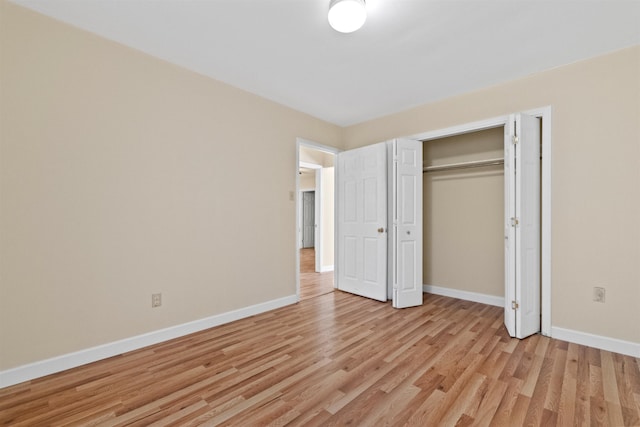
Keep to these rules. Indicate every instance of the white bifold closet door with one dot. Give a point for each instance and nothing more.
(379, 232)
(405, 231)
(522, 225)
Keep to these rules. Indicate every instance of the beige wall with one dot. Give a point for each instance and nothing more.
(463, 214)
(595, 178)
(308, 182)
(123, 175)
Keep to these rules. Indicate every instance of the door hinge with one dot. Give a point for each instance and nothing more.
(514, 222)
(514, 305)
(514, 139)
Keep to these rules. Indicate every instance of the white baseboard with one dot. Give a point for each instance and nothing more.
(82, 357)
(326, 268)
(465, 295)
(597, 341)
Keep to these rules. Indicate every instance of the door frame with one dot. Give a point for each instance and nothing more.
(545, 193)
(301, 142)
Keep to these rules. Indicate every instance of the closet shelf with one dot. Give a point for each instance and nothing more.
(464, 165)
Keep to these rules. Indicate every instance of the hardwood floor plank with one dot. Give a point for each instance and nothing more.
(423, 415)
(609, 382)
(549, 418)
(537, 400)
(626, 373)
(489, 401)
(566, 406)
(633, 372)
(520, 411)
(502, 415)
(316, 419)
(614, 412)
(338, 359)
(583, 400)
(495, 362)
(449, 403)
(515, 358)
(428, 383)
(466, 401)
(406, 370)
(552, 399)
(361, 379)
(389, 406)
(598, 415)
(595, 382)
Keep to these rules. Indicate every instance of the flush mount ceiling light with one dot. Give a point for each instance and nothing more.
(346, 16)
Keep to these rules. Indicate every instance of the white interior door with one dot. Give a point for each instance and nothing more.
(361, 188)
(405, 233)
(522, 226)
(308, 219)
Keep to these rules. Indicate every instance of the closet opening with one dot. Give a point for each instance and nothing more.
(487, 216)
(463, 208)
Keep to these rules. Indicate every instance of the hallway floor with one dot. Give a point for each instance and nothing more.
(313, 284)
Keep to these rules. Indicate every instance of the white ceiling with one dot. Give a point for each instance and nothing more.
(409, 52)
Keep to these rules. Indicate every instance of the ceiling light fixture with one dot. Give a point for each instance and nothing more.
(346, 16)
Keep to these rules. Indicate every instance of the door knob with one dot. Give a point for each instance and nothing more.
(381, 230)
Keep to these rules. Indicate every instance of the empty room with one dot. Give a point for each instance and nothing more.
(463, 175)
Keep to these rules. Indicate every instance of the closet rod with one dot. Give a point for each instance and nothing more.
(464, 165)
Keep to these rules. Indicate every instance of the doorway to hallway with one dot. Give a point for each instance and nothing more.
(314, 218)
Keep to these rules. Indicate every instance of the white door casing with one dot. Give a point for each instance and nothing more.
(522, 225)
(317, 236)
(405, 218)
(296, 196)
(361, 193)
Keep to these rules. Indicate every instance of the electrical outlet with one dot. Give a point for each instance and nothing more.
(598, 294)
(156, 300)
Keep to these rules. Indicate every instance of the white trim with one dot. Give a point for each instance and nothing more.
(310, 165)
(597, 341)
(317, 146)
(545, 218)
(93, 354)
(326, 268)
(318, 232)
(462, 129)
(465, 295)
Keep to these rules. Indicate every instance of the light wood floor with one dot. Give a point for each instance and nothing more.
(338, 359)
(313, 284)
